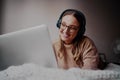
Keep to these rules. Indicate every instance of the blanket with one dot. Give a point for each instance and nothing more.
(30, 71)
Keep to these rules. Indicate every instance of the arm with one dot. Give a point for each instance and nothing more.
(90, 55)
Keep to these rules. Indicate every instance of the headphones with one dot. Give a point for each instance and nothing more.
(79, 16)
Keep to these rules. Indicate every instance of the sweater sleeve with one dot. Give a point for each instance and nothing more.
(90, 55)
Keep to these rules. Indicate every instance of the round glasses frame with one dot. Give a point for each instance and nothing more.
(71, 28)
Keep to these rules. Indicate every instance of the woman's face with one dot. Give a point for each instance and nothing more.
(68, 29)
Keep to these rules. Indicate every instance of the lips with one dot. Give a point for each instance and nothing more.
(65, 36)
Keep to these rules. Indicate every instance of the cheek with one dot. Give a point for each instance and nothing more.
(75, 34)
(60, 31)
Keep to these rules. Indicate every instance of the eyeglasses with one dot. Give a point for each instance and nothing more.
(71, 28)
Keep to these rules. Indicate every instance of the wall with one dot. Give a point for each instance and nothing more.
(1, 14)
(102, 19)
(103, 25)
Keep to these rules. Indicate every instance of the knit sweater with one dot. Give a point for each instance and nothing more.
(87, 57)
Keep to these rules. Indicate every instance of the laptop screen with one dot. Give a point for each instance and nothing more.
(31, 45)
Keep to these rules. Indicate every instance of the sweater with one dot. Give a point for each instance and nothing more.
(87, 58)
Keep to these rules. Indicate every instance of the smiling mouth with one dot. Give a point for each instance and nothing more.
(66, 36)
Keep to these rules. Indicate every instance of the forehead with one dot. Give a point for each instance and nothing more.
(70, 20)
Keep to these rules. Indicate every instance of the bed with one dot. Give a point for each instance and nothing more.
(30, 71)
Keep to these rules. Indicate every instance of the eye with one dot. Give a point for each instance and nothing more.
(74, 28)
(63, 25)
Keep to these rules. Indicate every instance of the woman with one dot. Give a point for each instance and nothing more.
(73, 49)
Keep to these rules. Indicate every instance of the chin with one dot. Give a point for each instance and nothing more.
(66, 40)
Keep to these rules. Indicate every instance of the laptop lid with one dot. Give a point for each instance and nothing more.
(31, 45)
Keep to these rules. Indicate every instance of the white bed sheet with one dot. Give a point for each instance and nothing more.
(31, 71)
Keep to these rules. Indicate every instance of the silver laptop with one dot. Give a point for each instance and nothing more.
(31, 45)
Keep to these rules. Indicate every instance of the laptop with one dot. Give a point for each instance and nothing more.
(31, 45)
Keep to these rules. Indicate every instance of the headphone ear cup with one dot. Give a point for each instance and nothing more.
(58, 23)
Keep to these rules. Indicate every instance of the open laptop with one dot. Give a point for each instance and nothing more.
(31, 45)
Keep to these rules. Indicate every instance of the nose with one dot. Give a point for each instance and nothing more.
(66, 30)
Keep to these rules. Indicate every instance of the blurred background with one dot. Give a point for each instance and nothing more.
(103, 19)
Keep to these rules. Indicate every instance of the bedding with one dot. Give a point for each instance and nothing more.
(30, 71)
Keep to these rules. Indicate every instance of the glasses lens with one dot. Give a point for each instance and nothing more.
(71, 28)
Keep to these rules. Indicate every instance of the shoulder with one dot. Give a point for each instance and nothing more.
(87, 40)
(56, 42)
(87, 43)
(89, 48)
(56, 47)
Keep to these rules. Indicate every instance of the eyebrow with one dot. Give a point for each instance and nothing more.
(69, 25)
